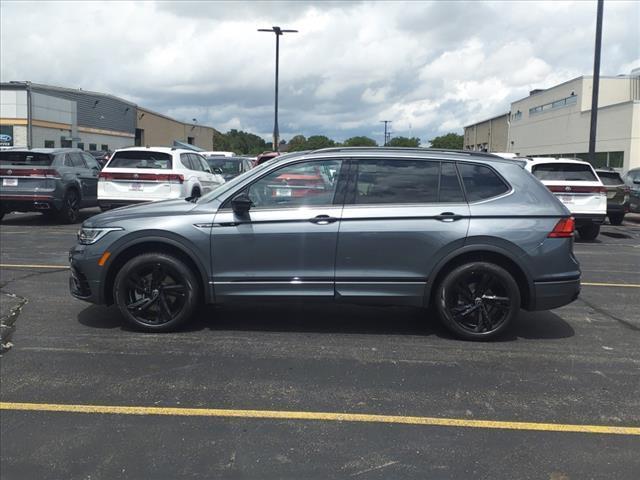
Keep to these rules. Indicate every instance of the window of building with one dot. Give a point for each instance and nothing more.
(516, 116)
(64, 143)
(563, 102)
(397, 182)
(104, 147)
(616, 159)
(92, 147)
(49, 144)
(191, 140)
(81, 146)
(481, 182)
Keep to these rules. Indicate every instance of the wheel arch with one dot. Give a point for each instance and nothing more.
(485, 254)
(153, 244)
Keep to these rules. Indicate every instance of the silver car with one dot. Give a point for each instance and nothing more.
(476, 236)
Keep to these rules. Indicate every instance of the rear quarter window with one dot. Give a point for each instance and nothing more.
(25, 158)
(481, 182)
(564, 172)
(141, 159)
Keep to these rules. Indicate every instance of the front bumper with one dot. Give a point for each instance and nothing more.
(555, 294)
(86, 279)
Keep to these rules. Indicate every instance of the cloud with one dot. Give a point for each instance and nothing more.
(430, 67)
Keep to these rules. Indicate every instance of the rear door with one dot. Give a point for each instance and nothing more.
(400, 217)
(83, 163)
(286, 243)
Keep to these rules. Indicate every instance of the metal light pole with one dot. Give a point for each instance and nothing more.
(278, 31)
(596, 86)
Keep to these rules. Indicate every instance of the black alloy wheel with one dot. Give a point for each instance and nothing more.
(70, 210)
(477, 301)
(156, 292)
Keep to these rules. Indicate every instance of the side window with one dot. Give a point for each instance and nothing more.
(450, 189)
(397, 181)
(90, 161)
(306, 183)
(195, 161)
(481, 182)
(204, 166)
(185, 159)
(76, 160)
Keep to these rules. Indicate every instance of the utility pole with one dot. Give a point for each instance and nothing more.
(278, 31)
(387, 134)
(596, 86)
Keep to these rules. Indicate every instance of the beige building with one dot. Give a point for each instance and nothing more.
(489, 135)
(556, 122)
(153, 128)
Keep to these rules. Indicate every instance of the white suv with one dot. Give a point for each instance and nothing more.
(576, 184)
(140, 174)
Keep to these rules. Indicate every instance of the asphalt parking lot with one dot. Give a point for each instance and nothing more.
(306, 391)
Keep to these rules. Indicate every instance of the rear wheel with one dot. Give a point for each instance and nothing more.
(156, 292)
(616, 218)
(195, 193)
(478, 300)
(70, 210)
(589, 232)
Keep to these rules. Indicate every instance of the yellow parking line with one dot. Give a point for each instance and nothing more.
(628, 285)
(10, 265)
(319, 416)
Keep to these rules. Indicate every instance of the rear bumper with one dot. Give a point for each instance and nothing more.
(587, 218)
(550, 295)
(28, 203)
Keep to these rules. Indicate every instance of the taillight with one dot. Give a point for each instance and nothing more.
(576, 189)
(563, 229)
(142, 177)
(30, 172)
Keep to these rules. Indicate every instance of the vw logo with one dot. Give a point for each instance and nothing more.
(9, 172)
(567, 189)
(135, 175)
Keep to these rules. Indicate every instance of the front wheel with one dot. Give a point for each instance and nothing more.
(589, 232)
(616, 218)
(156, 292)
(478, 300)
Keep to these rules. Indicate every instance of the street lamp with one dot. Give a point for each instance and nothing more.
(278, 31)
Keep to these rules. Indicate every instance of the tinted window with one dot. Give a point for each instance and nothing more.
(228, 165)
(397, 181)
(610, 178)
(307, 183)
(185, 159)
(564, 172)
(481, 182)
(450, 189)
(204, 166)
(9, 157)
(141, 159)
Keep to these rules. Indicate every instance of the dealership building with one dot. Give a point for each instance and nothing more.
(35, 116)
(556, 122)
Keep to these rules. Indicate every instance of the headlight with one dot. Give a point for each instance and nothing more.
(87, 236)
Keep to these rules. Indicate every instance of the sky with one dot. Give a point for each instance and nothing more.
(429, 67)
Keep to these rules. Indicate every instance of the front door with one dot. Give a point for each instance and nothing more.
(400, 217)
(286, 243)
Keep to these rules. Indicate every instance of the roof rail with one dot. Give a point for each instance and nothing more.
(407, 149)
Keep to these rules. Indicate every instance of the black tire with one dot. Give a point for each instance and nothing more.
(477, 301)
(141, 292)
(589, 232)
(69, 212)
(195, 193)
(616, 218)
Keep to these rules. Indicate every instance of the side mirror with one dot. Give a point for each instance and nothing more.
(217, 170)
(241, 204)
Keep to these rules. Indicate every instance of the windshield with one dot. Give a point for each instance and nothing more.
(610, 178)
(225, 187)
(232, 166)
(141, 159)
(25, 158)
(564, 172)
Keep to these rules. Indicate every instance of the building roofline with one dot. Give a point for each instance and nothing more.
(487, 119)
(44, 86)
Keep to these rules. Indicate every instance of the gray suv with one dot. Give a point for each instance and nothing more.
(474, 235)
(56, 181)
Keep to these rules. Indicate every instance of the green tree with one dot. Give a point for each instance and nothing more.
(239, 142)
(315, 142)
(360, 142)
(450, 140)
(404, 142)
(297, 143)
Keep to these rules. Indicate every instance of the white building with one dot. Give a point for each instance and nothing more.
(556, 121)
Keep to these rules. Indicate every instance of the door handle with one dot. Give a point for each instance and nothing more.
(323, 220)
(448, 217)
(78, 174)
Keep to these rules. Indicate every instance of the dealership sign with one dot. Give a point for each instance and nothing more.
(6, 135)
